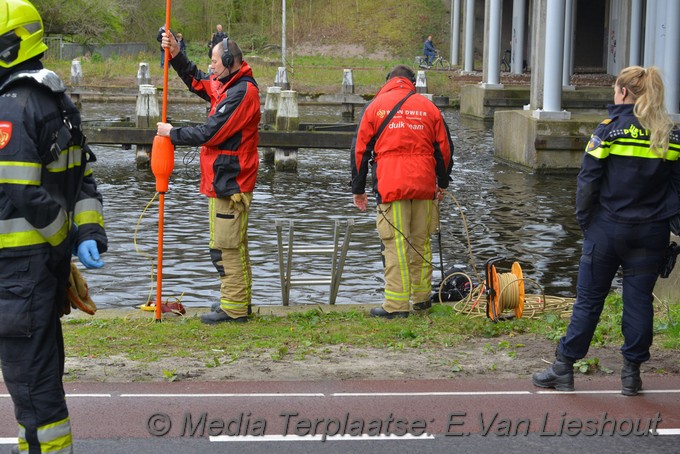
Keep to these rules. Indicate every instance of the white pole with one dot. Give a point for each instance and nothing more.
(635, 32)
(568, 28)
(554, 47)
(518, 19)
(672, 58)
(650, 32)
(455, 31)
(283, 32)
(494, 55)
(469, 35)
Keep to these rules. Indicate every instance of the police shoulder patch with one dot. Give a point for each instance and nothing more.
(606, 121)
(593, 143)
(5, 133)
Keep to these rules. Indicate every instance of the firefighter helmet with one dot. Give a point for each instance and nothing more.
(21, 32)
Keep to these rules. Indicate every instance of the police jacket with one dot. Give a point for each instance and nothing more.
(412, 156)
(623, 179)
(229, 159)
(46, 182)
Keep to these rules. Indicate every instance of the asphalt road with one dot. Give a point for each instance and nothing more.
(367, 416)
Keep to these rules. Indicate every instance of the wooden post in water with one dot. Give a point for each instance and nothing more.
(421, 82)
(281, 79)
(287, 119)
(271, 106)
(347, 89)
(143, 74)
(148, 114)
(76, 79)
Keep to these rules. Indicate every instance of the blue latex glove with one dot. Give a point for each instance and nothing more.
(88, 253)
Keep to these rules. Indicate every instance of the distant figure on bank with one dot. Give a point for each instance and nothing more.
(182, 43)
(217, 37)
(410, 156)
(429, 51)
(229, 163)
(627, 190)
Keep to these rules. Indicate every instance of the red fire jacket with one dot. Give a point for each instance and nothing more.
(229, 159)
(412, 155)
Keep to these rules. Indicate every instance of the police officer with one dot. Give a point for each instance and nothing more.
(49, 207)
(628, 190)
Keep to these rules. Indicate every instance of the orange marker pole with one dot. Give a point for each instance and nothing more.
(162, 163)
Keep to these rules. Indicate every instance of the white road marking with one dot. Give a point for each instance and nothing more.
(363, 437)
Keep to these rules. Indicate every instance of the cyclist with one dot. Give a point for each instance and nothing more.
(429, 51)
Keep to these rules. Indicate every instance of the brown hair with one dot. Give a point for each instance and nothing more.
(646, 87)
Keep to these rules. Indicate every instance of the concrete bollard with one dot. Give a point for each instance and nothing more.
(281, 79)
(421, 82)
(271, 105)
(143, 74)
(147, 115)
(287, 119)
(347, 89)
(76, 72)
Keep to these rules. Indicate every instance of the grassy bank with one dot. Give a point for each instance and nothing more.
(297, 334)
(309, 75)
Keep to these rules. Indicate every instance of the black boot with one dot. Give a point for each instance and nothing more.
(630, 378)
(559, 376)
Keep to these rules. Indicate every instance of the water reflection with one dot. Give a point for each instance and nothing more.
(525, 217)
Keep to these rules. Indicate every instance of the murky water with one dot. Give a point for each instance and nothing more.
(511, 213)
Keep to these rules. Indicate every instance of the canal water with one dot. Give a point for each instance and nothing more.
(511, 213)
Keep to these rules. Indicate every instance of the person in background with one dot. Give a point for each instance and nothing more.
(628, 189)
(411, 162)
(229, 163)
(182, 44)
(429, 51)
(217, 37)
(49, 208)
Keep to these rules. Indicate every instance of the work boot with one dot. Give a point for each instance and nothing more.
(631, 383)
(559, 376)
(424, 305)
(218, 307)
(213, 318)
(382, 313)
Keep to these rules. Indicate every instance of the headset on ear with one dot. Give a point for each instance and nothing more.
(227, 57)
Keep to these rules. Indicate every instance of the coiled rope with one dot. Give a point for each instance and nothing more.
(510, 294)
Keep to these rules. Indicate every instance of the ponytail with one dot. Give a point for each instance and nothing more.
(646, 86)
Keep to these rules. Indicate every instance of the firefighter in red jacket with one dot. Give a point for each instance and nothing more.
(49, 208)
(229, 163)
(411, 160)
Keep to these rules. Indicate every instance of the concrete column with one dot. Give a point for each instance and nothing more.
(455, 31)
(660, 29)
(281, 79)
(143, 75)
(650, 33)
(469, 36)
(538, 25)
(568, 41)
(518, 19)
(76, 72)
(287, 119)
(671, 68)
(635, 32)
(552, 78)
(492, 18)
(347, 89)
(421, 82)
(147, 115)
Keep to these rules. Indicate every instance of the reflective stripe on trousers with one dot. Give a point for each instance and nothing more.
(230, 256)
(404, 227)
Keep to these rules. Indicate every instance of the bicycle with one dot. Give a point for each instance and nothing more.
(505, 61)
(438, 62)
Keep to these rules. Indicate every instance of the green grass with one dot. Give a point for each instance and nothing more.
(303, 333)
